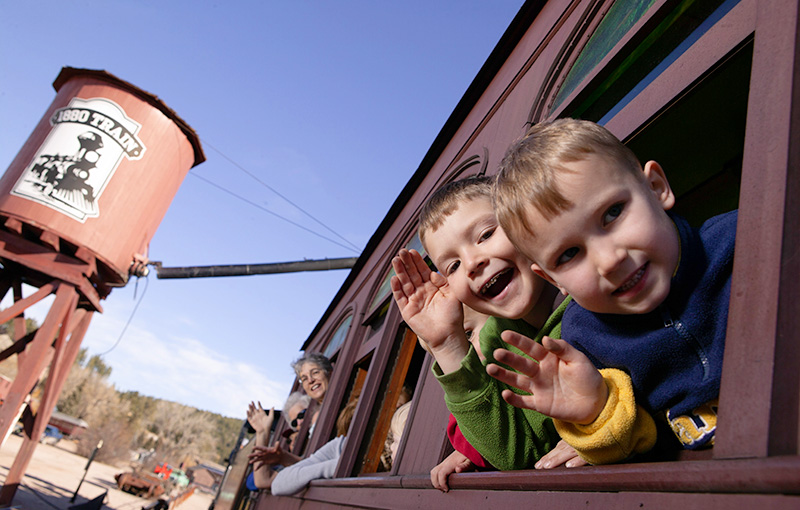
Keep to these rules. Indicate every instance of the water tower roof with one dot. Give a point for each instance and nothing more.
(68, 73)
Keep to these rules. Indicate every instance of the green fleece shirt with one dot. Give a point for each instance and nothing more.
(506, 436)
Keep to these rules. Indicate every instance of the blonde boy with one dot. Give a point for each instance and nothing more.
(650, 293)
(481, 269)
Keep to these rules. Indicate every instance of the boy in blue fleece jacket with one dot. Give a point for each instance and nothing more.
(650, 293)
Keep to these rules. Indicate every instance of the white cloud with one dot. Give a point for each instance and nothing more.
(181, 369)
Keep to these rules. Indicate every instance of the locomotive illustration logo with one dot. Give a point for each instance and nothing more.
(85, 146)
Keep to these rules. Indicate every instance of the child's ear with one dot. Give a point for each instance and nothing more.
(546, 277)
(657, 182)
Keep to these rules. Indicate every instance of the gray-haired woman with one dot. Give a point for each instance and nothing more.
(313, 371)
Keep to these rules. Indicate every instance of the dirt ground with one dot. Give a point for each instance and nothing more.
(55, 472)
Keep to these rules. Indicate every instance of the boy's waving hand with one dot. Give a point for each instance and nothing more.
(429, 308)
(563, 384)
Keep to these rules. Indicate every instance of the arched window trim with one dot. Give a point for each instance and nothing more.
(338, 380)
(590, 20)
(460, 170)
(567, 55)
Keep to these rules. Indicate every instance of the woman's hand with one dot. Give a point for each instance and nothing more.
(260, 420)
(265, 456)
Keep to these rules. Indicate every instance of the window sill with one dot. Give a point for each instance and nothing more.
(761, 476)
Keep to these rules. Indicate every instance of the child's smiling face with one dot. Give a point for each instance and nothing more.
(482, 267)
(614, 250)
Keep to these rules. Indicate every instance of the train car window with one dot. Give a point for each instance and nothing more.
(395, 388)
(708, 124)
(338, 337)
(698, 137)
(355, 384)
(665, 36)
(385, 290)
(620, 18)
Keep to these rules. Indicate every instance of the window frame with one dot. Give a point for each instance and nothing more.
(754, 244)
(337, 383)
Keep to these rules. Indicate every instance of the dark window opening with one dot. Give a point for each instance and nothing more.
(699, 140)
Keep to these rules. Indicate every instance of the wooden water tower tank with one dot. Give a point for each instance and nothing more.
(100, 169)
(78, 207)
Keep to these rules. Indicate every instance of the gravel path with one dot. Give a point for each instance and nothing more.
(54, 473)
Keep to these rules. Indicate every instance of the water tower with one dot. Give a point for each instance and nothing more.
(78, 208)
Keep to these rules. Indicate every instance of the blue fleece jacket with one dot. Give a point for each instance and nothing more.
(674, 353)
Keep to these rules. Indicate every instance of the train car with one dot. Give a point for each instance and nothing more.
(706, 88)
(68, 425)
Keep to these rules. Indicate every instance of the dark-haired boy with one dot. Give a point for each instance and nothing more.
(481, 269)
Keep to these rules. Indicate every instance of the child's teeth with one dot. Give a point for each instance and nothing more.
(491, 282)
(633, 281)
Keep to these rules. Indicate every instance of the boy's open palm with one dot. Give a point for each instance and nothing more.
(425, 300)
(563, 384)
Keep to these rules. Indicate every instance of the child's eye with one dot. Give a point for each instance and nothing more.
(487, 234)
(612, 213)
(468, 333)
(452, 267)
(568, 255)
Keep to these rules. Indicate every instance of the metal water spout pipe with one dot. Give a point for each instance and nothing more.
(251, 269)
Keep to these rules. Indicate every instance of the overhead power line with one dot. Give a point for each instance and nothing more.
(273, 213)
(258, 180)
(128, 323)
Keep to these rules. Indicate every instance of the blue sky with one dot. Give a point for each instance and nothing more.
(332, 104)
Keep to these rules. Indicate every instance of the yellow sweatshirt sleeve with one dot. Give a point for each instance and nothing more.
(622, 429)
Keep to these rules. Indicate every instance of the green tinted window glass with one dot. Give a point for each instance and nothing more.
(616, 23)
(385, 288)
(338, 337)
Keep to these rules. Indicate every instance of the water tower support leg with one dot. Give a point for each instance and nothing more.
(5, 285)
(23, 304)
(36, 354)
(34, 358)
(63, 358)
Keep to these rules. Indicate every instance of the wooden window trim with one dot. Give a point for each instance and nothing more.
(761, 353)
(770, 475)
(369, 395)
(338, 381)
(374, 338)
(660, 10)
(392, 391)
(698, 60)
